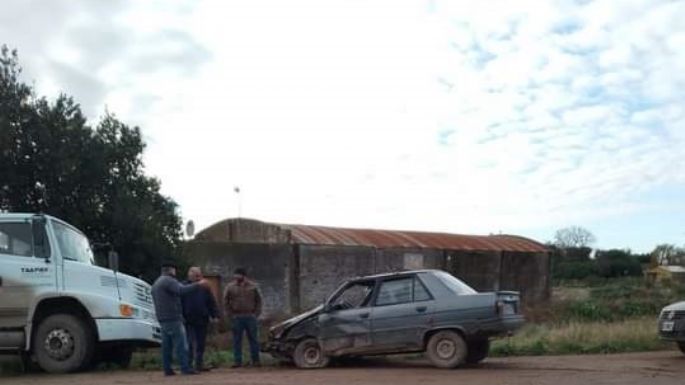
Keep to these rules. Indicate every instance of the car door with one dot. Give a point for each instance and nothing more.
(23, 271)
(401, 314)
(345, 325)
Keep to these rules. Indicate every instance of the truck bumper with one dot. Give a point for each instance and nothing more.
(129, 329)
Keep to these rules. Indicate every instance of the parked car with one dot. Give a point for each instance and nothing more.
(672, 324)
(415, 311)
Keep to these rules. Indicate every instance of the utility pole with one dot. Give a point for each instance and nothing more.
(236, 190)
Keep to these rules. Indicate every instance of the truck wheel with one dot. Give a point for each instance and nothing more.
(478, 350)
(681, 346)
(309, 355)
(63, 343)
(446, 349)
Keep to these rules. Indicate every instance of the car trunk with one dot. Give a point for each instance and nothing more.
(507, 303)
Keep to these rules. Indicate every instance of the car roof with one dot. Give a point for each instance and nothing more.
(394, 274)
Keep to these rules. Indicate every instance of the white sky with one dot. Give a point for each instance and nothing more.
(460, 116)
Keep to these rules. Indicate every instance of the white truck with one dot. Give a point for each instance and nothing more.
(58, 308)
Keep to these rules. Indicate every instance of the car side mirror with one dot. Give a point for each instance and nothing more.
(113, 260)
(40, 238)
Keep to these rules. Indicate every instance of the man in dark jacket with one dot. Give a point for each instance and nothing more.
(243, 304)
(199, 308)
(166, 294)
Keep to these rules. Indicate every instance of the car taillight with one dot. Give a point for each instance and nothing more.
(499, 308)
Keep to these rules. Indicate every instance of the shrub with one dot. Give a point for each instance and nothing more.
(618, 263)
(574, 270)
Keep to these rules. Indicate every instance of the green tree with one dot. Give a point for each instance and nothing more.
(618, 263)
(52, 161)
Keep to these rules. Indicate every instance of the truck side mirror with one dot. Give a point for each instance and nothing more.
(113, 260)
(40, 238)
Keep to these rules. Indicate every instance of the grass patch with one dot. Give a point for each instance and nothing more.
(607, 300)
(633, 335)
(151, 359)
(10, 365)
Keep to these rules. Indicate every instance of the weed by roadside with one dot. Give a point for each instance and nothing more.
(633, 335)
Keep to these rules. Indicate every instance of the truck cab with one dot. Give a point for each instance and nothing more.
(57, 307)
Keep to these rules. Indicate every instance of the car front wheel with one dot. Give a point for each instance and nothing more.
(681, 346)
(309, 355)
(446, 349)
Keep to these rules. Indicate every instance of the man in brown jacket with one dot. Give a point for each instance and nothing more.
(243, 304)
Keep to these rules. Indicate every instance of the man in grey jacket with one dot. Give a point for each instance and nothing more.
(166, 293)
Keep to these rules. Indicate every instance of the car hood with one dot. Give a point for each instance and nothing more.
(299, 318)
(675, 306)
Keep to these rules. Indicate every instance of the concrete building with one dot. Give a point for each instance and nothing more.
(298, 265)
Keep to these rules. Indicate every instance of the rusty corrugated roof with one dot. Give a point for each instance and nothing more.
(336, 236)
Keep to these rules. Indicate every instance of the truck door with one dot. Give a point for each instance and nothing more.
(25, 269)
(79, 274)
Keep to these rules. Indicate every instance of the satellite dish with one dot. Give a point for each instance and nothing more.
(190, 228)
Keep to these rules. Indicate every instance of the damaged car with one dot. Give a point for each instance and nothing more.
(426, 311)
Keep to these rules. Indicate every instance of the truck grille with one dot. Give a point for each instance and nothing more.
(672, 315)
(143, 294)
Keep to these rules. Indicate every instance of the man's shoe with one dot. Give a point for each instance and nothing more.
(171, 373)
(236, 366)
(203, 369)
(190, 373)
(255, 365)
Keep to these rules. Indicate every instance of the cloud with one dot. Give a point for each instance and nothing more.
(577, 90)
(465, 116)
(92, 49)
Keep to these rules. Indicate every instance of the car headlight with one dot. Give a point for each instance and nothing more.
(277, 331)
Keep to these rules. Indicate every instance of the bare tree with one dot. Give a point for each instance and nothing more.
(573, 236)
(666, 254)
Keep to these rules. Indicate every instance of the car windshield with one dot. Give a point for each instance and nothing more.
(73, 245)
(454, 284)
(354, 296)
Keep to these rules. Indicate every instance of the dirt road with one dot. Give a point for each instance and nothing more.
(625, 369)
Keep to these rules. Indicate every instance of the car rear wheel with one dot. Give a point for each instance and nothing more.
(681, 346)
(446, 349)
(309, 355)
(478, 350)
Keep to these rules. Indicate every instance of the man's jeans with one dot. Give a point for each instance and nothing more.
(174, 336)
(197, 336)
(247, 324)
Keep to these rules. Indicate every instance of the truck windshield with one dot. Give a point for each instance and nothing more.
(72, 244)
(454, 284)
